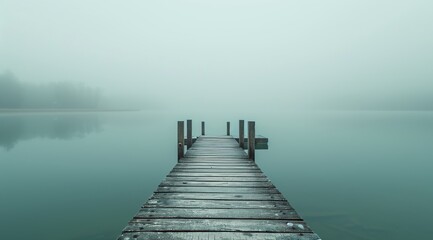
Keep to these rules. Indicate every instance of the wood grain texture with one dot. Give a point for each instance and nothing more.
(216, 189)
(214, 225)
(215, 204)
(223, 196)
(216, 235)
(217, 184)
(211, 213)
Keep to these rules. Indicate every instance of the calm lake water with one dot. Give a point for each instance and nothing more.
(350, 175)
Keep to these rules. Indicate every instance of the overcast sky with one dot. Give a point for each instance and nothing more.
(207, 54)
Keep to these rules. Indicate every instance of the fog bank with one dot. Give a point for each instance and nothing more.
(211, 56)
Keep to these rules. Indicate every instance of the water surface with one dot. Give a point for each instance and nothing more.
(350, 175)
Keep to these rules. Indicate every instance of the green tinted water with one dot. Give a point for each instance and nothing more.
(350, 175)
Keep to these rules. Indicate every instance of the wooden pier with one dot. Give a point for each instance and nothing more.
(216, 191)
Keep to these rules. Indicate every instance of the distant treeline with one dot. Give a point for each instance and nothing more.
(15, 94)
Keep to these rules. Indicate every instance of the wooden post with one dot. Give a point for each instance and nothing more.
(180, 139)
(202, 129)
(188, 133)
(251, 140)
(228, 128)
(241, 134)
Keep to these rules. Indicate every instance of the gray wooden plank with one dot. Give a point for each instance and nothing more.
(215, 225)
(217, 158)
(240, 156)
(211, 147)
(216, 170)
(217, 179)
(218, 152)
(217, 164)
(197, 213)
(222, 196)
(167, 189)
(222, 174)
(216, 184)
(215, 204)
(210, 166)
(220, 158)
(216, 161)
(215, 154)
(215, 137)
(216, 235)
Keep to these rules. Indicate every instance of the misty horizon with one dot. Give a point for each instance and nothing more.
(270, 55)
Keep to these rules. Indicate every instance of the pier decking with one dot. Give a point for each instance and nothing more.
(216, 192)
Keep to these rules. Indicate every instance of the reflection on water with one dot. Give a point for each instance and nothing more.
(16, 128)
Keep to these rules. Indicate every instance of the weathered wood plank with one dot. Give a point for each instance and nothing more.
(215, 204)
(208, 141)
(220, 165)
(222, 196)
(239, 162)
(215, 225)
(204, 147)
(183, 174)
(211, 146)
(215, 170)
(216, 235)
(215, 158)
(217, 179)
(217, 184)
(215, 155)
(167, 189)
(216, 137)
(233, 150)
(216, 161)
(207, 154)
(197, 213)
(204, 167)
(212, 166)
(228, 148)
(220, 155)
